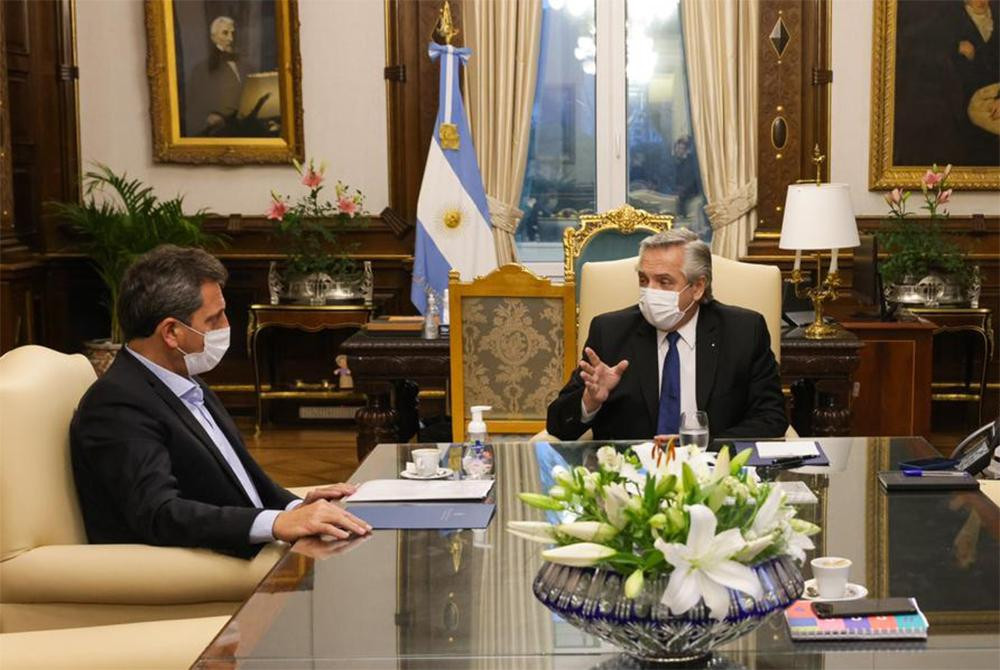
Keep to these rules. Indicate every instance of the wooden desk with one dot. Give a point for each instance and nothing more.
(305, 318)
(390, 370)
(819, 375)
(893, 390)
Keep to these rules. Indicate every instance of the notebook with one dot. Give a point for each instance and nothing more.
(803, 624)
(392, 490)
(757, 460)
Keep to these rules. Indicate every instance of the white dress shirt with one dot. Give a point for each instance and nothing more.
(686, 351)
(193, 398)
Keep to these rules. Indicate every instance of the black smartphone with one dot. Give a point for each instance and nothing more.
(864, 607)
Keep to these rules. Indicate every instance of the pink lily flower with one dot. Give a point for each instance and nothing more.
(312, 179)
(944, 197)
(931, 179)
(277, 209)
(347, 206)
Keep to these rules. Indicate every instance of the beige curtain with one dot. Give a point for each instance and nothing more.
(504, 36)
(720, 43)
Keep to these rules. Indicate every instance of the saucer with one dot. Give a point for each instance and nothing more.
(440, 474)
(854, 592)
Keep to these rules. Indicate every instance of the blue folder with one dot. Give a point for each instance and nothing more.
(425, 516)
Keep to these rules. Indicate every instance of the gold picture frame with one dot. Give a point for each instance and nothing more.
(914, 133)
(243, 123)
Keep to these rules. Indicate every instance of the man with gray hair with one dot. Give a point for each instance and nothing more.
(677, 351)
(156, 457)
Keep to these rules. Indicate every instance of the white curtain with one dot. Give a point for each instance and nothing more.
(504, 36)
(720, 43)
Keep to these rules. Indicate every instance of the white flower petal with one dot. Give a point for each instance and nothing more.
(725, 545)
(767, 515)
(534, 531)
(581, 554)
(682, 592)
(716, 596)
(735, 576)
(676, 554)
(702, 530)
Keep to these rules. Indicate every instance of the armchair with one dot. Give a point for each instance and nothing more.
(50, 577)
(609, 236)
(513, 344)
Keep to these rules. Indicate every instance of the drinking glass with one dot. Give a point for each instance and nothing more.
(694, 429)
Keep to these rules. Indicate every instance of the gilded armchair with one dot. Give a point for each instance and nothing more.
(513, 346)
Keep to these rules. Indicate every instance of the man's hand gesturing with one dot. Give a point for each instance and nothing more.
(599, 378)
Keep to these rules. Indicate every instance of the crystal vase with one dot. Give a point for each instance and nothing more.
(593, 600)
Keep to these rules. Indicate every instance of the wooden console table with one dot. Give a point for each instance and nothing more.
(305, 318)
(894, 378)
(389, 370)
(819, 373)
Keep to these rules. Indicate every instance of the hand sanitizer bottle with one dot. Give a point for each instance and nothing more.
(477, 461)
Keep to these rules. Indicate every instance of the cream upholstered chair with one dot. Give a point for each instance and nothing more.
(50, 577)
(174, 644)
(610, 285)
(513, 344)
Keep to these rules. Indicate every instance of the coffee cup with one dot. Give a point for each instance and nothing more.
(425, 462)
(831, 575)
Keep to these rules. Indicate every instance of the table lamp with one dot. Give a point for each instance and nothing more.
(818, 216)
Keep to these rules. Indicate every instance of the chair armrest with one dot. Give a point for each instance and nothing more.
(131, 574)
(167, 645)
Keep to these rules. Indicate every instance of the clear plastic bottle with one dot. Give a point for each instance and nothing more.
(477, 458)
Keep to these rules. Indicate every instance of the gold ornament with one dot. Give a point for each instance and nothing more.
(452, 218)
(449, 136)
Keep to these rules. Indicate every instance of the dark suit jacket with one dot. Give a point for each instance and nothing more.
(737, 378)
(147, 472)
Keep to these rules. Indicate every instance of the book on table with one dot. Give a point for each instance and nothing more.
(803, 624)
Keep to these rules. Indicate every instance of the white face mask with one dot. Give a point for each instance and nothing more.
(216, 345)
(660, 308)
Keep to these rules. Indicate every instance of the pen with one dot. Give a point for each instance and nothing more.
(788, 462)
(934, 473)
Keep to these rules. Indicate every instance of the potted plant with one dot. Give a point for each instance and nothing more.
(318, 267)
(691, 552)
(924, 265)
(118, 220)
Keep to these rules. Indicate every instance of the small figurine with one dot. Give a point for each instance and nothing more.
(344, 380)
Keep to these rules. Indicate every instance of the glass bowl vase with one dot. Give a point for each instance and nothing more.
(593, 600)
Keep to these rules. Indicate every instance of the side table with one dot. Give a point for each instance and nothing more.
(382, 366)
(304, 318)
(819, 373)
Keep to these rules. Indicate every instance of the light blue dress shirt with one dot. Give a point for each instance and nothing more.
(193, 397)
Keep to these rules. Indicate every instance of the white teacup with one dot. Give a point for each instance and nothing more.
(425, 461)
(831, 574)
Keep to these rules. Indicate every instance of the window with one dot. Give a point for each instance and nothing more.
(611, 121)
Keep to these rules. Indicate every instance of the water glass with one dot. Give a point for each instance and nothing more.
(694, 429)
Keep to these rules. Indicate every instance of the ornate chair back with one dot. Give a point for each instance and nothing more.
(513, 346)
(609, 236)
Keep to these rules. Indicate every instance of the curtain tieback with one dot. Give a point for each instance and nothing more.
(504, 216)
(726, 210)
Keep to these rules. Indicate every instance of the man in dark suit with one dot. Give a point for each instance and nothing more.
(156, 457)
(677, 351)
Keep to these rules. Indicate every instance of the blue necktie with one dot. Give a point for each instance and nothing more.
(669, 418)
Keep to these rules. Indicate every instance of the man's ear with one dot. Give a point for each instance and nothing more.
(699, 289)
(167, 331)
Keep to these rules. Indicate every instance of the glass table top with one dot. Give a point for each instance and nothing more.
(463, 599)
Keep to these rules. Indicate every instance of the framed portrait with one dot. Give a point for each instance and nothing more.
(225, 81)
(935, 92)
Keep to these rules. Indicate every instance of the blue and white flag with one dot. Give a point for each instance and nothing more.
(453, 220)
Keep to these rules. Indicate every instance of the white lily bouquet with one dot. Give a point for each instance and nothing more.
(650, 511)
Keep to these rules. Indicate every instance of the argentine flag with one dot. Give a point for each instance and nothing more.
(453, 221)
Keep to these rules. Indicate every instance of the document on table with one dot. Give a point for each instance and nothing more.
(774, 450)
(392, 490)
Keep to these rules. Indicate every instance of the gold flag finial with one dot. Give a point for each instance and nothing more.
(446, 25)
(817, 160)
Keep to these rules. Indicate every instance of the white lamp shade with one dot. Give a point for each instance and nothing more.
(818, 216)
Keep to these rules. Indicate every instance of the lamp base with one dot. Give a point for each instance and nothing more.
(818, 330)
